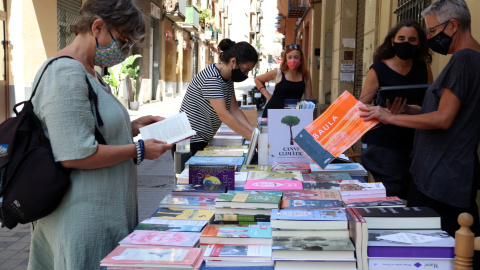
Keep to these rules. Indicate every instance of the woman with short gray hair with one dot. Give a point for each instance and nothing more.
(445, 166)
(100, 207)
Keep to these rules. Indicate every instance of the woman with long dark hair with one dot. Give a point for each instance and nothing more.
(402, 59)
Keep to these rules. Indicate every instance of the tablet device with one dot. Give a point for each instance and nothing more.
(414, 93)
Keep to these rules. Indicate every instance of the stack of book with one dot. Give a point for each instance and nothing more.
(229, 139)
(391, 201)
(354, 169)
(362, 190)
(302, 167)
(323, 176)
(198, 190)
(238, 255)
(184, 214)
(400, 218)
(161, 238)
(235, 161)
(172, 225)
(236, 235)
(274, 180)
(411, 249)
(312, 199)
(153, 257)
(245, 207)
(190, 202)
(328, 184)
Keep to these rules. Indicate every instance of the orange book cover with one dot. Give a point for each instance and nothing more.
(334, 131)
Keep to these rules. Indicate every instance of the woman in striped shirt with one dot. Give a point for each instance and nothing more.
(210, 97)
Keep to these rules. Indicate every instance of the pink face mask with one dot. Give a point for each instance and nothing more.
(293, 63)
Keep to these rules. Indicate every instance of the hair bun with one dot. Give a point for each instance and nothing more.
(226, 44)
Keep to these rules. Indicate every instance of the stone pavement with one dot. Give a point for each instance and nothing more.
(155, 180)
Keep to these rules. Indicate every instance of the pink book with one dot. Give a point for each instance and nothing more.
(161, 238)
(140, 256)
(273, 185)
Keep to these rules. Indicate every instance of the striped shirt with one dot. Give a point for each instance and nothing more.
(206, 85)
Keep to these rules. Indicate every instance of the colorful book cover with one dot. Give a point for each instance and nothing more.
(319, 176)
(183, 214)
(334, 131)
(157, 224)
(311, 204)
(220, 153)
(212, 174)
(349, 168)
(200, 202)
(363, 188)
(248, 168)
(239, 252)
(248, 218)
(248, 198)
(197, 190)
(273, 185)
(309, 215)
(125, 256)
(257, 192)
(283, 126)
(375, 202)
(238, 161)
(237, 232)
(312, 194)
(159, 238)
(319, 185)
(303, 167)
(417, 244)
(278, 175)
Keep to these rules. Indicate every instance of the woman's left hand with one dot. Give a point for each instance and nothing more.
(375, 112)
(398, 105)
(144, 121)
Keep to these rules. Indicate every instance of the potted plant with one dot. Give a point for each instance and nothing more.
(131, 71)
(114, 79)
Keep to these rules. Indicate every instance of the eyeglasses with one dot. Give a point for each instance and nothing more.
(431, 29)
(293, 46)
(126, 45)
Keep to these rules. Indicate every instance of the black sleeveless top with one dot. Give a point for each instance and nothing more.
(391, 135)
(284, 90)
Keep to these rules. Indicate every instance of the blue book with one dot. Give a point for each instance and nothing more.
(309, 219)
(237, 161)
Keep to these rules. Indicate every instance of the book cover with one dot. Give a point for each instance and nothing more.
(250, 167)
(303, 167)
(277, 175)
(159, 238)
(311, 204)
(407, 218)
(413, 244)
(363, 188)
(183, 214)
(311, 194)
(334, 131)
(192, 202)
(245, 200)
(273, 185)
(409, 263)
(220, 153)
(236, 235)
(243, 218)
(125, 256)
(212, 174)
(237, 161)
(325, 176)
(257, 192)
(157, 224)
(391, 201)
(170, 130)
(238, 252)
(243, 211)
(319, 185)
(312, 248)
(198, 190)
(314, 219)
(353, 169)
(243, 148)
(283, 126)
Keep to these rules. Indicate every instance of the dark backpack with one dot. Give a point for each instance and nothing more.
(32, 184)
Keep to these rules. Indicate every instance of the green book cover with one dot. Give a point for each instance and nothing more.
(248, 198)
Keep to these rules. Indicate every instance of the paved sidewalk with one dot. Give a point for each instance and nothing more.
(155, 180)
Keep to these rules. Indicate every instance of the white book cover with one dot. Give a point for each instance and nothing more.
(171, 130)
(283, 126)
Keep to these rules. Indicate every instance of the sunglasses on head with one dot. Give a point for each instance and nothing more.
(293, 46)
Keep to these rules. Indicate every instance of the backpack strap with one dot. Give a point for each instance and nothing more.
(92, 96)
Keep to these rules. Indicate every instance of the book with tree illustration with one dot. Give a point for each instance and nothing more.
(283, 126)
(334, 131)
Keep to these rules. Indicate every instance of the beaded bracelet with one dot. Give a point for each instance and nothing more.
(142, 147)
(138, 159)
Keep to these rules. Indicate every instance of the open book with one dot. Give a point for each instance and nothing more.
(333, 132)
(171, 130)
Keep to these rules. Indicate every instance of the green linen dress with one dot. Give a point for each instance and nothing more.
(100, 207)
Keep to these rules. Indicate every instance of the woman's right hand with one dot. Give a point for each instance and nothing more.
(155, 148)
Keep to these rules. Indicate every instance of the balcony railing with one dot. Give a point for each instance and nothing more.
(192, 19)
(296, 8)
(175, 10)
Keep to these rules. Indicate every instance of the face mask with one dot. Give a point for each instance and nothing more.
(293, 63)
(238, 76)
(404, 50)
(109, 56)
(440, 43)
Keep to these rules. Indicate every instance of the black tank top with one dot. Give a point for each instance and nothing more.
(391, 135)
(284, 90)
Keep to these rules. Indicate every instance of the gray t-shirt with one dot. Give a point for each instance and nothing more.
(445, 164)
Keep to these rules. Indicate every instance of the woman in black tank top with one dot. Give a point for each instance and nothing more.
(292, 80)
(402, 59)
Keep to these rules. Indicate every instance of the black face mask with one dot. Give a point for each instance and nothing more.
(238, 76)
(405, 50)
(440, 43)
